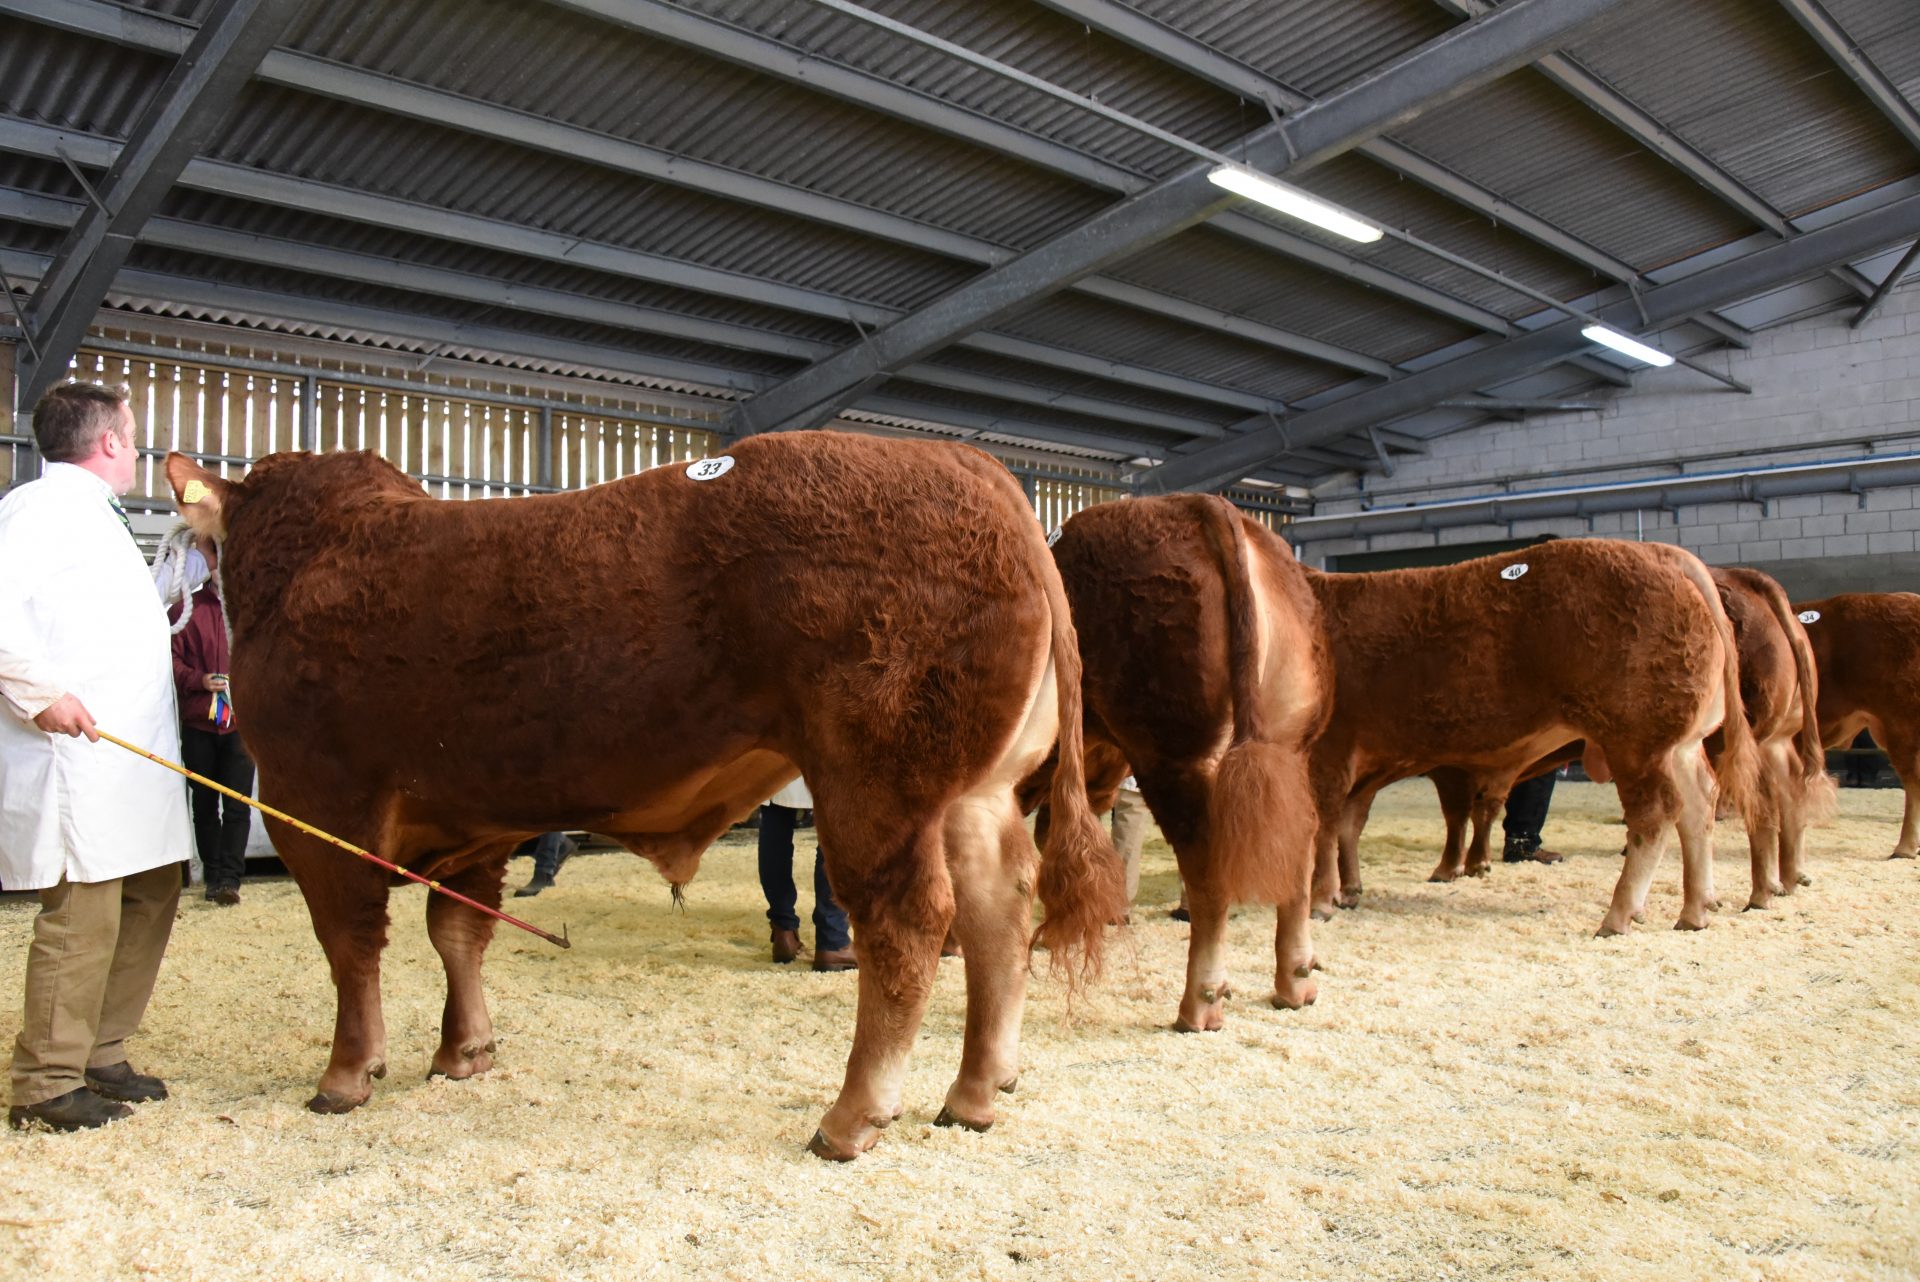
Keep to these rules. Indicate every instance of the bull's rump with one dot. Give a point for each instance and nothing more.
(555, 659)
(1465, 664)
(1150, 603)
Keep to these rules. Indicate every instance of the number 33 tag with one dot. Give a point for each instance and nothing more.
(708, 469)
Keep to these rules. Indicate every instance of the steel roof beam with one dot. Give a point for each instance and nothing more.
(195, 97)
(1522, 405)
(191, 292)
(1443, 69)
(1772, 266)
(30, 138)
(1887, 286)
(1839, 46)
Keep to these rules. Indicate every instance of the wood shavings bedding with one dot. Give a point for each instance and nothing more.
(1483, 1090)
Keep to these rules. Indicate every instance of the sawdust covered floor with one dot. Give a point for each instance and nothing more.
(1484, 1090)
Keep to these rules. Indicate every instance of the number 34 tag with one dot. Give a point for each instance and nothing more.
(708, 469)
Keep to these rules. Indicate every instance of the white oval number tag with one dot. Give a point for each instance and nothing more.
(1514, 571)
(708, 469)
(1054, 538)
(1809, 616)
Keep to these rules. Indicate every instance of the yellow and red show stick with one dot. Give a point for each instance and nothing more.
(347, 846)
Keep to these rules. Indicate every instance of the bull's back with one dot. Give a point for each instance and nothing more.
(660, 618)
(1866, 646)
(1462, 661)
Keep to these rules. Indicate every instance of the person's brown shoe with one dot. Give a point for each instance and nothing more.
(120, 1082)
(78, 1110)
(835, 959)
(225, 896)
(1539, 855)
(786, 946)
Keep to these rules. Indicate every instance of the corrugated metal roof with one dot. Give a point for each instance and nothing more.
(1534, 144)
(1313, 46)
(1739, 81)
(1777, 113)
(1884, 29)
(288, 132)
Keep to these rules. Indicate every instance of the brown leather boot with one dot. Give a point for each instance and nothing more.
(78, 1110)
(835, 959)
(786, 946)
(120, 1082)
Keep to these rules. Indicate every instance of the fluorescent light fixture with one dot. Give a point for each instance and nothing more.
(1625, 346)
(1242, 181)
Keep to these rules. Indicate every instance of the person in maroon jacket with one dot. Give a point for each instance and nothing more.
(208, 743)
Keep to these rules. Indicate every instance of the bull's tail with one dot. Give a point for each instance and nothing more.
(1817, 794)
(1738, 769)
(1082, 885)
(1259, 816)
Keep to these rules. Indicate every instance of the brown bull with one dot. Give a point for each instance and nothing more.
(1492, 664)
(649, 659)
(1777, 691)
(1204, 669)
(1867, 646)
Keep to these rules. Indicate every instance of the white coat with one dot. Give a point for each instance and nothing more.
(78, 614)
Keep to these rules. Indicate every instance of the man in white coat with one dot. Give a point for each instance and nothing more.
(96, 830)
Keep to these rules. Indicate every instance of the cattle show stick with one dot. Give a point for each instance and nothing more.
(560, 939)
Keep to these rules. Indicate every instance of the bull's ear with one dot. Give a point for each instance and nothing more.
(202, 496)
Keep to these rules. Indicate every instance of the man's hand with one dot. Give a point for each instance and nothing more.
(214, 682)
(67, 715)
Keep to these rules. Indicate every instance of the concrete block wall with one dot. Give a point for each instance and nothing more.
(1821, 391)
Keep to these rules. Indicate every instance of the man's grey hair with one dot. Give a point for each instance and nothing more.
(72, 417)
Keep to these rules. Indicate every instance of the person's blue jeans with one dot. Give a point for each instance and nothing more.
(776, 883)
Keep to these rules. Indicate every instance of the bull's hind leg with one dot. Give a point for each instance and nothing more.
(1487, 804)
(1766, 835)
(1693, 778)
(1353, 820)
(1904, 752)
(1456, 798)
(1651, 801)
(347, 900)
(894, 885)
(992, 863)
(460, 935)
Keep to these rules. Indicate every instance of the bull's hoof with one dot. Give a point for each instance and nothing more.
(1479, 870)
(1757, 905)
(1639, 915)
(1348, 898)
(332, 1102)
(1323, 912)
(1009, 1086)
(1297, 995)
(1610, 931)
(1211, 1019)
(1443, 874)
(949, 1118)
(1904, 854)
(462, 1064)
(1691, 922)
(1803, 880)
(822, 1147)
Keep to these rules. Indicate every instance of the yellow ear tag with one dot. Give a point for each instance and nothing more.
(195, 491)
